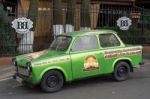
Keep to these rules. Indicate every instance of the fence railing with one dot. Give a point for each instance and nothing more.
(100, 18)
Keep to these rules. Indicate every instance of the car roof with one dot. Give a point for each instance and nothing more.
(89, 32)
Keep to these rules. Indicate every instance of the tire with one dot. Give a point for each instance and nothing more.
(52, 81)
(121, 71)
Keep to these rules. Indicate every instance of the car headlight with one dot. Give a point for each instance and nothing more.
(14, 61)
(29, 66)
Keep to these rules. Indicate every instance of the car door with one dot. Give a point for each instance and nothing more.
(87, 59)
(110, 45)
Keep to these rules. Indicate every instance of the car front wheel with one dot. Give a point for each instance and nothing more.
(52, 81)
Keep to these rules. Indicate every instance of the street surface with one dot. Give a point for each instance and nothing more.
(136, 87)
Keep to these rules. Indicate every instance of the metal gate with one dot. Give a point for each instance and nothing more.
(139, 31)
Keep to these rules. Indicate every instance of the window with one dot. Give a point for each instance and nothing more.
(85, 43)
(108, 40)
(61, 43)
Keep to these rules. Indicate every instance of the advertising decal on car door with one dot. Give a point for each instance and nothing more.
(124, 52)
(90, 63)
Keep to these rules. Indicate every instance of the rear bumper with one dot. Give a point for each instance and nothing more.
(141, 63)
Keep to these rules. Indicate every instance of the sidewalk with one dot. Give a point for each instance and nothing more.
(6, 72)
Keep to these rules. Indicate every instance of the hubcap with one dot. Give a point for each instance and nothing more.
(122, 71)
(52, 81)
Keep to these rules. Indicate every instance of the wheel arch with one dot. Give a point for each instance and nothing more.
(57, 69)
(127, 60)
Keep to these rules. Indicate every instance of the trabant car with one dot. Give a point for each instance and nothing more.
(78, 55)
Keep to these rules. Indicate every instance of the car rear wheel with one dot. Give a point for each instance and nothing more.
(121, 71)
(52, 81)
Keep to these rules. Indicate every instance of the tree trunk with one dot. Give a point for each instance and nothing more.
(33, 12)
(57, 18)
(71, 5)
(85, 15)
(26, 43)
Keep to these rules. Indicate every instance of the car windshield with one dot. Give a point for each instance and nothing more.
(61, 43)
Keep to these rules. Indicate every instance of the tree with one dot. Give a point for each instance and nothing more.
(71, 5)
(85, 15)
(57, 18)
(7, 35)
(26, 43)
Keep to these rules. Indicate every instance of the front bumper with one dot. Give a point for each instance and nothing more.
(22, 73)
(22, 78)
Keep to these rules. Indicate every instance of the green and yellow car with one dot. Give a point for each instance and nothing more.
(78, 55)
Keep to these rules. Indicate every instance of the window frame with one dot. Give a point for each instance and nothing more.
(120, 43)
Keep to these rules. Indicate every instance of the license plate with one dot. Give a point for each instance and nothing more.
(18, 79)
(23, 71)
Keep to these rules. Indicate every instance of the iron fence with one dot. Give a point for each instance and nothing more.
(103, 17)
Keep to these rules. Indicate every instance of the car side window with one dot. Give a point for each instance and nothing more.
(108, 40)
(87, 42)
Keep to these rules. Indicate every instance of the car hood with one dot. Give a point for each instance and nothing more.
(22, 60)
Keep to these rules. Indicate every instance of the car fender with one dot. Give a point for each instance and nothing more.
(121, 59)
(66, 77)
